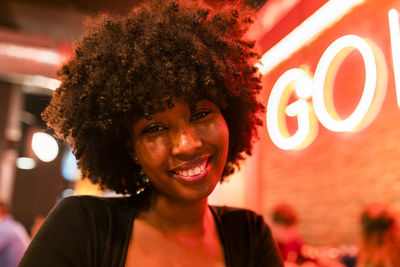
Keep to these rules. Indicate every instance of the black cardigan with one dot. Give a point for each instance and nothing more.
(91, 231)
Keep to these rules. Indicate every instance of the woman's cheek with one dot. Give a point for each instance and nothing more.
(217, 132)
(153, 150)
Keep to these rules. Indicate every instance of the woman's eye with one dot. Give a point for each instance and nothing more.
(200, 115)
(153, 129)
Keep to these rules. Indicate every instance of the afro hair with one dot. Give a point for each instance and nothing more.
(131, 66)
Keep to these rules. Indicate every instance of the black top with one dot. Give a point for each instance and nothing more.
(91, 231)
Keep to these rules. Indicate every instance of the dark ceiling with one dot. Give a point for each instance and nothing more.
(101, 5)
(61, 20)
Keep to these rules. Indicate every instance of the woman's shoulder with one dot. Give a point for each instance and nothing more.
(99, 200)
(239, 218)
(228, 213)
(92, 205)
(90, 212)
(247, 236)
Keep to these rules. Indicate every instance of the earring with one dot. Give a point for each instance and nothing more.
(142, 183)
(134, 157)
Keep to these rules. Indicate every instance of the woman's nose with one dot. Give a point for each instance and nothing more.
(185, 141)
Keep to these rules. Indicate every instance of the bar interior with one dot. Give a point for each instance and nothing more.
(327, 151)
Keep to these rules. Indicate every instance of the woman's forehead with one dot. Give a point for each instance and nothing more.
(158, 109)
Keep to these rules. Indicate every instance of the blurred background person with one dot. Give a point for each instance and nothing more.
(13, 239)
(380, 242)
(284, 228)
(294, 250)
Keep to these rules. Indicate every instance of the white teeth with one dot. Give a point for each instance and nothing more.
(193, 171)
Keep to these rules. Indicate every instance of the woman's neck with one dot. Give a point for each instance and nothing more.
(172, 215)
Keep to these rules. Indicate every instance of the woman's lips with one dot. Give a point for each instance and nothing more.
(193, 171)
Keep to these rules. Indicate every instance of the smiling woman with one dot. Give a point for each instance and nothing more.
(183, 152)
(160, 105)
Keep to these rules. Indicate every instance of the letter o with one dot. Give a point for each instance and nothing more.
(323, 79)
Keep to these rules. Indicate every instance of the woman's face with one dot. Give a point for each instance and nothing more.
(183, 153)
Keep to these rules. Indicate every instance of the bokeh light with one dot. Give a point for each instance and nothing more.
(44, 146)
(69, 167)
(25, 163)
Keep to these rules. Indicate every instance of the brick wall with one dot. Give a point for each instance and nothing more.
(330, 181)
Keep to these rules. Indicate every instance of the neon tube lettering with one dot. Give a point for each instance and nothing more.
(395, 43)
(323, 83)
(278, 99)
(320, 88)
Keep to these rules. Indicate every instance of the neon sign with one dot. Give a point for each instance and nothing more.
(328, 14)
(315, 94)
